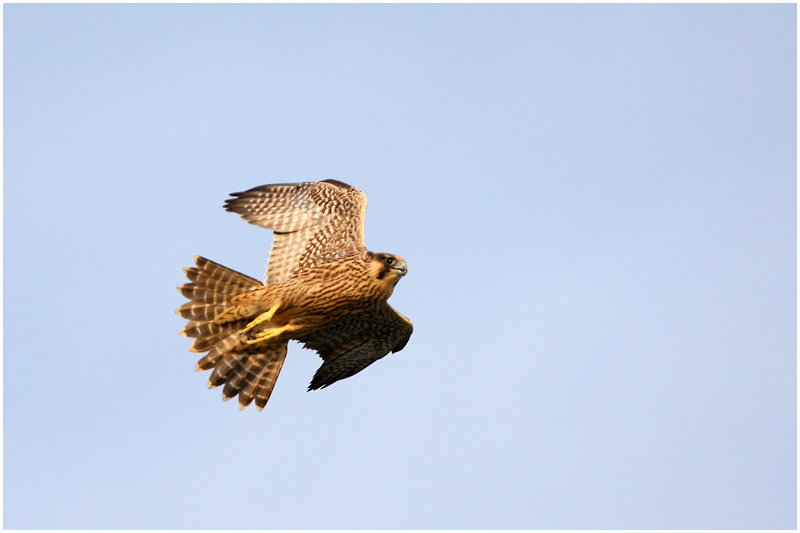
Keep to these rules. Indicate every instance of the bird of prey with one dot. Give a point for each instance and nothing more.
(323, 289)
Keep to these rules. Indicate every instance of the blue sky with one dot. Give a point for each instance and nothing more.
(598, 209)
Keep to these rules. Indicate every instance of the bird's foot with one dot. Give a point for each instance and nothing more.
(261, 319)
(270, 333)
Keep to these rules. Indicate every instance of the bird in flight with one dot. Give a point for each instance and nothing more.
(323, 289)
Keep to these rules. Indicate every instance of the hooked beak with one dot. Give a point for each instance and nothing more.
(401, 267)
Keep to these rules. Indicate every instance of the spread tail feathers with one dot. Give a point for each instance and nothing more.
(250, 374)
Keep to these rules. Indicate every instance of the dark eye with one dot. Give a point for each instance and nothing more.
(390, 260)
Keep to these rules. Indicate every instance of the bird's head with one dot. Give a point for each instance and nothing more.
(388, 268)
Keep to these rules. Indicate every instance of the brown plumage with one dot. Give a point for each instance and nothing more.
(324, 289)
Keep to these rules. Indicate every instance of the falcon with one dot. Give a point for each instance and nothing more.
(323, 288)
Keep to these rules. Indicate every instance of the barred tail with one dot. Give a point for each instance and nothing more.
(211, 289)
(250, 374)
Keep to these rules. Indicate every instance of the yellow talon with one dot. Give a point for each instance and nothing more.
(267, 334)
(261, 319)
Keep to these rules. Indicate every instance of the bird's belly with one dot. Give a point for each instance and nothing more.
(326, 305)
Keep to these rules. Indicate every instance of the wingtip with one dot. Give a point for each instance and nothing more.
(230, 203)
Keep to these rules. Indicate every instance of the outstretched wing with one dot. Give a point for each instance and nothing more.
(351, 345)
(314, 222)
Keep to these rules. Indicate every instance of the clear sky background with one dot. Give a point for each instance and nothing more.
(597, 205)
